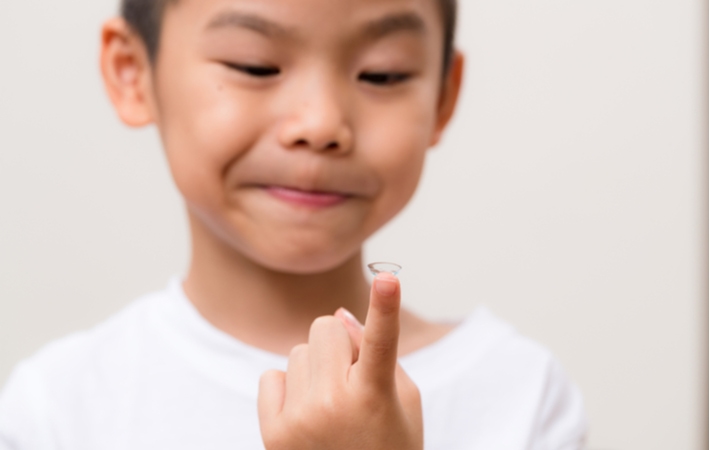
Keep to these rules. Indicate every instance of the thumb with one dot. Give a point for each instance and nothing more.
(378, 349)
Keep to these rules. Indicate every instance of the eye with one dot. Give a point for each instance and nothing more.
(255, 71)
(384, 78)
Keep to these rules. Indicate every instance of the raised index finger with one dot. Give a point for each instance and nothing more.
(378, 351)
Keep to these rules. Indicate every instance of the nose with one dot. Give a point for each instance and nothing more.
(316, 119)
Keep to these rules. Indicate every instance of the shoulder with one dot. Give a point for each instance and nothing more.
(537, 380)
(67, 365)
(497, 383)
(483, 343)
(65, 356)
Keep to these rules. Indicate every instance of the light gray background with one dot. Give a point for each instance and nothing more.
(569, 196)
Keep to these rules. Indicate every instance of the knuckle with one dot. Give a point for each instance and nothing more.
(380, 347)
(298, 353)
(330, 405)
(325, 325)
(325, 322)
(299, 349)
(269, 376)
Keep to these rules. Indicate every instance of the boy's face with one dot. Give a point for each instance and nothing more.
(296, 129)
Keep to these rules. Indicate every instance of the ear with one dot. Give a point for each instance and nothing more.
(449, 96)
(126, 71)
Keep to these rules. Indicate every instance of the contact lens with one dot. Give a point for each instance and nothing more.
(384, 267)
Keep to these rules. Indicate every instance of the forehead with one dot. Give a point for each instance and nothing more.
(299, 19)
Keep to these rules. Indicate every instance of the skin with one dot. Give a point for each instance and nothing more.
(313, 96)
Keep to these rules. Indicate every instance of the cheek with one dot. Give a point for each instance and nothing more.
(396, 145)
(400, 181)
(204, 128)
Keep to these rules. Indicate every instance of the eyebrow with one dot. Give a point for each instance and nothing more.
(252, 22)
(376, 29)
(395, 23)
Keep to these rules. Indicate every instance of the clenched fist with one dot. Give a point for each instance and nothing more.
(344, 389)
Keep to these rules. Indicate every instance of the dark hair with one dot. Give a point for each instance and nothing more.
(146, 17)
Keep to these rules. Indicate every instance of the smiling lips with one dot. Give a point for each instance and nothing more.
(307, 198)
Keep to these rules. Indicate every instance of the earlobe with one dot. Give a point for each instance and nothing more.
(449, 96)
(126, 73)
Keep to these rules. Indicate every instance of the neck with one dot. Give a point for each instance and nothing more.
(267, 309)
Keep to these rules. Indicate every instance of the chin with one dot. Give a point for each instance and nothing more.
(303, 260)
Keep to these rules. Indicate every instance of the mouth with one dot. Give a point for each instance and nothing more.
(313, 199)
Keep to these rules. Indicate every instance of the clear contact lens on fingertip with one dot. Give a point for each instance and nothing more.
(384, 267)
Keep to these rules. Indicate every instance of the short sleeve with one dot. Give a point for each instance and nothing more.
(22, 412)
(562, 422)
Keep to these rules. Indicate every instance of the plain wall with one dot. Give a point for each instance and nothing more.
(569, 196)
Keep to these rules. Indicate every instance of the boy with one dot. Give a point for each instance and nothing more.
(293, 130)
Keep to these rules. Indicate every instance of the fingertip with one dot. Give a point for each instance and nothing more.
(354, 328)
(348, 319)
(386, 284)
(386, 276)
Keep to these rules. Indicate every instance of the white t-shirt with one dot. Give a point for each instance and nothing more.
(158, 376)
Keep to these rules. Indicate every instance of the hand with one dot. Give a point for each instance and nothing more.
(344, 389)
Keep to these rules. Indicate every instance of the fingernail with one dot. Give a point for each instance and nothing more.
(385, 287)
(351, 319)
